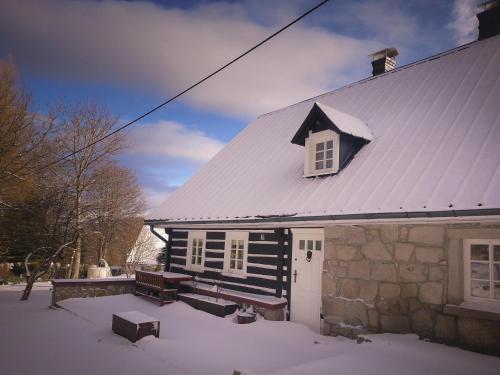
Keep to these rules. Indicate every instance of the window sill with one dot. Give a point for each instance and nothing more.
(476, 310)
(324, 173)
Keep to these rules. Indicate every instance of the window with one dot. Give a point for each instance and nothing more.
(311, 244)
(482, 270)
(196, 251)
(322, 153)
(195, 254)
(235, 256)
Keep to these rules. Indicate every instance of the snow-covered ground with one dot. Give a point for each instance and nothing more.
(37, 340)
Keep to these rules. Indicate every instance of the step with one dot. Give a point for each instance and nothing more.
(218, 307)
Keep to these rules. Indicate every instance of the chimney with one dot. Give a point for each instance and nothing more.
(384, 61)
(489, 19)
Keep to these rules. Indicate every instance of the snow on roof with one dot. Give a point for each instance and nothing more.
(347, 123)
(436, 127)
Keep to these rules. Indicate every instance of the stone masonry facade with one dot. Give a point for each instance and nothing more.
(401, 279)
(64, 289)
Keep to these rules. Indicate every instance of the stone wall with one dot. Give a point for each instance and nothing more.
(395, 278)
(82, 288)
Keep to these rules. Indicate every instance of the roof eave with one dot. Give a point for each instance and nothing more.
(488, 212)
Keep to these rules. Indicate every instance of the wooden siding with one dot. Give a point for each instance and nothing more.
(177, 261)
(266, 273)
(179, 243)
(216, 235)
(217, 264)
(268, 248)
(262, 236)
(213, 254)
(178, 251)
(214, 245)
(177, 234)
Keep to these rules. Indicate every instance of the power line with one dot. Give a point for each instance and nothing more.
(187, 89)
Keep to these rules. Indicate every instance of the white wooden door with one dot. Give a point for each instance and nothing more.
(307, 268)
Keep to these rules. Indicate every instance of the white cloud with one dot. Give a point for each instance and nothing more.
(173, 140)
(154, 198)
(464, 24)
(394, 23)
(138, 44)
(164, 154)
(386, 20)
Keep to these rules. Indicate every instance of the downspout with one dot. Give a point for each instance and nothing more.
(167, 244)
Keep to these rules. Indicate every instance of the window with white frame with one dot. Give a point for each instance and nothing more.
(310, 245)
(196, 254)
(322, 153)
(324, 156)
(482, 270)
(235, 257)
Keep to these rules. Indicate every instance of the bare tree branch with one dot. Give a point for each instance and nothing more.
(44, 267)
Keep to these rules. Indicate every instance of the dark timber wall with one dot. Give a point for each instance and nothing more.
(267, 260)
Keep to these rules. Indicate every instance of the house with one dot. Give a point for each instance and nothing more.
(374, 207)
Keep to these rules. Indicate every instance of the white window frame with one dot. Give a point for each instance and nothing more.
(312, 232)
(200, 235)
(467, 271)
(310, 152)
(230, 236)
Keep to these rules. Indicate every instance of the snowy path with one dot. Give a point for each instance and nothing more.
(36, 339)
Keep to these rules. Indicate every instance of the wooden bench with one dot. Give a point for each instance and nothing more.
(153, 285)
(135, 325)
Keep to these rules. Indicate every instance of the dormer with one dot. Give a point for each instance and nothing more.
(331, 138)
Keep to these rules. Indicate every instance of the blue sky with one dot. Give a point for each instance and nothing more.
(130, 56)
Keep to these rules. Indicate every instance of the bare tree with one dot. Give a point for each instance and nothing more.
(16, 128)
(145, 249)
(23, 147)
(48, 210)
(48, 259)
(83, 125)
(41, 227)
(21, 134)
(116, 206)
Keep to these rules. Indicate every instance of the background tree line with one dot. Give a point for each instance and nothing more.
(73, 212)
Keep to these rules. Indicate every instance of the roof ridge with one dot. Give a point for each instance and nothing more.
(367, 79)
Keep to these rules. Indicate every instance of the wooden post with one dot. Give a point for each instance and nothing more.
(168, 249)
(288, 263)
(280, 233)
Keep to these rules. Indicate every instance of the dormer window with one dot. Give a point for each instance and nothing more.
(331, 139)
(322, 156)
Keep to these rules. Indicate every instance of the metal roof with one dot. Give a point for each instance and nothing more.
(436, 147)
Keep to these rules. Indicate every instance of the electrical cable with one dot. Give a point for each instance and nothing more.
(185, 90)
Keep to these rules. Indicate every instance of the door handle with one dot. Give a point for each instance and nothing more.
(295, 276)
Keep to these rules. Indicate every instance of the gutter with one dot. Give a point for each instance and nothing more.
(152, 229)
(457, 214)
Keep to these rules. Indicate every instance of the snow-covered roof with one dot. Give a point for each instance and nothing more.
(346, 123)
(435, 147)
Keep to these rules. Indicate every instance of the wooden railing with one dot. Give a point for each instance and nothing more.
(152, 285)
(150, 280)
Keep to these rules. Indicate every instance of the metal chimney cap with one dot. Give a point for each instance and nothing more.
(387, 52)
(489, 4)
